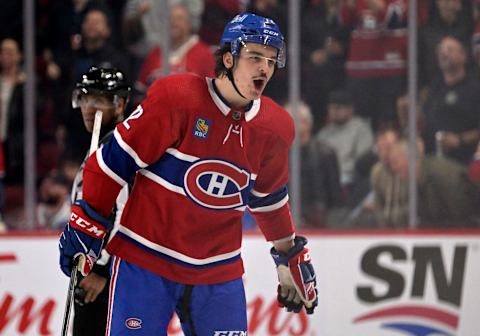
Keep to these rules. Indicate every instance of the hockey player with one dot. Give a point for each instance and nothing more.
(202, 150)
(100, 89)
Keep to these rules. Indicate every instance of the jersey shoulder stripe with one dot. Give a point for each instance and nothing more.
(118, 162)
(106, 169)
(129, 149)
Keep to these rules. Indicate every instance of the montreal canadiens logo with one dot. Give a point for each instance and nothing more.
(216, 184)
(133, 323)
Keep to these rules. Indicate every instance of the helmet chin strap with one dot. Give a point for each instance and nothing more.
(230, 77)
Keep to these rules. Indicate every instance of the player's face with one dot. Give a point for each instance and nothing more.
(90, 104)
(256, 65)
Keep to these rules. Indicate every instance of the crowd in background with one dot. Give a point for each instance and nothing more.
(352, 123)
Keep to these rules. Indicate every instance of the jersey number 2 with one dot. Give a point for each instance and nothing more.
(135, 115)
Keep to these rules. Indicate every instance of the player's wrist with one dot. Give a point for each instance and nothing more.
(287, 250)
(86, 220)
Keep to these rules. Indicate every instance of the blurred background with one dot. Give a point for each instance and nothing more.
(385, 95)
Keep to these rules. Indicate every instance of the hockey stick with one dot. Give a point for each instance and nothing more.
(68, 304)
(97, 124)
(80, 260)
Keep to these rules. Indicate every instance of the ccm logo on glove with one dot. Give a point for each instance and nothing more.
(78, 221)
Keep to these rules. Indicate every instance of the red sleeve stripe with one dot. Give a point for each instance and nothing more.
(110, 173)
(129, 149)
(271, 207)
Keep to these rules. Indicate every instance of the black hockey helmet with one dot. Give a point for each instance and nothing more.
(101, 81)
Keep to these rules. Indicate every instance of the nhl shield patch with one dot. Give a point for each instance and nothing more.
(202, 126)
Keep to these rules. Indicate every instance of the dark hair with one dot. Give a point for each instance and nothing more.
(220, 68)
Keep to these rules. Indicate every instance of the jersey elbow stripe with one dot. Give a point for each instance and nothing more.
(129, 149)
(110, 173)
(271, 207)
(258, 194)
(255, 201)
(177, 257)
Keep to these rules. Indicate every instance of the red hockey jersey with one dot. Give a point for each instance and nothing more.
(378, 43)
(193, 57)
(198, 165)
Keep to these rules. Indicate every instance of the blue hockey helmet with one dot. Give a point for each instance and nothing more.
(247, 27)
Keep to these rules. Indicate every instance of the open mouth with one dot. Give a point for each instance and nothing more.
(258, 83)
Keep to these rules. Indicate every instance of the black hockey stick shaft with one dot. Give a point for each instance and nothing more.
(81, 259)
(70, 294)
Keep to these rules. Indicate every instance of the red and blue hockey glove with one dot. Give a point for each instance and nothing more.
(82, 238)
(296, 278)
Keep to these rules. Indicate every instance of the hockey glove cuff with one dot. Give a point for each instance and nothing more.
(82, 239)
(296, 277)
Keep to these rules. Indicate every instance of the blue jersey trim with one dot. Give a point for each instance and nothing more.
(170, 168)
(119, 161)
(273, 198)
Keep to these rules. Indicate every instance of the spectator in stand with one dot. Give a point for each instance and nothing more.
(12, 79)
(362, 196)
(452, 115)
(143, 30)
(349, 135)
(402, 112)
(448, 18)
(376, 62)
(96, 49)
(187, 52)
(389, 202)
(320, 174)
(216, 14)
(60, 26)
(95, 46)
(53, 209)
(446, 196)
(324, 50)
(68, 166)
(58, 38)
